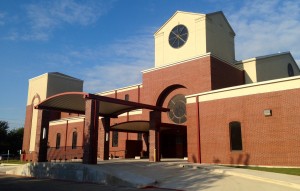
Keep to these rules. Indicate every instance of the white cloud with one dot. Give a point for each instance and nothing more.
(266, 27)
(106, 67)
(46, 16)
(2, 18)
(49, 14)
(124, 62)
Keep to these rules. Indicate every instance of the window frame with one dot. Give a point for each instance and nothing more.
(115, 139)
(58, 139)
(126, 97)
(235, 136)
(74, 139)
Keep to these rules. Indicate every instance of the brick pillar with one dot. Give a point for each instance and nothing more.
(91, 132)
(26, 136)
(193, 130)
(104, 139)
(42, 132)
(154, 145)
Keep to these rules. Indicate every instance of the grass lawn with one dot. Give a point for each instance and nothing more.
(12, 162)
(292, 171)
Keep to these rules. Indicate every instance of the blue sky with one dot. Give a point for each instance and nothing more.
(107, 43)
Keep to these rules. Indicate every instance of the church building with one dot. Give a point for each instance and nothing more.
(197, 103)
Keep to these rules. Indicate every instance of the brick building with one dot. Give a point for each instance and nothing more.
(197, 102)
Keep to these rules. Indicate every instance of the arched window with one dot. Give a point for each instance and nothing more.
(236, 143)
(74, 140)
(57, 140)
(127, 97)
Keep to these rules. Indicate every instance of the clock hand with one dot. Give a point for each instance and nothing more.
(180, 38)
(180, 30)
(174, 41)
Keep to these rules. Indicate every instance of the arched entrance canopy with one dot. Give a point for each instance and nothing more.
(141, 126)
(74, 102)
(93, 106)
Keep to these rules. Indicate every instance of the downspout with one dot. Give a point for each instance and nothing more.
(67, 125)
(139, 93)
(198, 129)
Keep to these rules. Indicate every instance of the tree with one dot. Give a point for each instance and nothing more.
(15, 140)
(10, 139)
(3, 136)
(3, 129)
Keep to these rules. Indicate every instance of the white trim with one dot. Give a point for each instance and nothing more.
(176, 63)
(61, 75)
(131, 87)
(261, 57)
(190, 13)
(248, 89)
(69, 119)
(191, 59)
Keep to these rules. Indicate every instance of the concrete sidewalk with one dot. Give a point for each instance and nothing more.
(291, 181)
(170, 174)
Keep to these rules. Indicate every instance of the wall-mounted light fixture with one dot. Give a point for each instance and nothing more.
(267, 112)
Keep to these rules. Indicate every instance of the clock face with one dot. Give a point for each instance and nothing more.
(178, 36)
(177, 106)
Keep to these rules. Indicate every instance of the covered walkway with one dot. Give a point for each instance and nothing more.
(95, 106)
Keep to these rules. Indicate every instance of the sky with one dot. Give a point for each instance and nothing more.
(107, 43)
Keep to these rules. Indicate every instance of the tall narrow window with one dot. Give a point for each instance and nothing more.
(127, 97)
(290, 70)
(235, 136)
(139, 136)
(57, 140)
(115, 138)
(74, 140)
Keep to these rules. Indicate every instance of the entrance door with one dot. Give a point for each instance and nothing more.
(133, 148)
(173, 143)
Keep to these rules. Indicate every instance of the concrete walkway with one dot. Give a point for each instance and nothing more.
(291, 181)
(169, 174)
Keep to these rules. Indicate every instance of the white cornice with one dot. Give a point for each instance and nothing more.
(261, 57)
(248, 89)
(188, 60)
(120, 89)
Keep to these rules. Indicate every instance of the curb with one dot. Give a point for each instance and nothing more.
(8, 164)
(243, 175)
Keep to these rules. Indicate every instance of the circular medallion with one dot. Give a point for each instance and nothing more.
(177, 106)
(178, 36)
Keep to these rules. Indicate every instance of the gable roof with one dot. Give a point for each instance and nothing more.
(177, 12)
(222, 14)
(199, 14)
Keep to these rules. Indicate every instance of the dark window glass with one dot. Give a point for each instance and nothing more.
(139, 136)
(235, 136)
(74, 140)
(290, 70)
(57, 140)
(115, 138)
(127, 97)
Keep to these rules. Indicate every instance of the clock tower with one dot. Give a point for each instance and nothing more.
(187, 36)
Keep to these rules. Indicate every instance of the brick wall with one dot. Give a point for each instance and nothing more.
(224, 75)
(270, 140)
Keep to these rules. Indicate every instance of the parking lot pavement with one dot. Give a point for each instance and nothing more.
(20, 183)
(169, 176)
